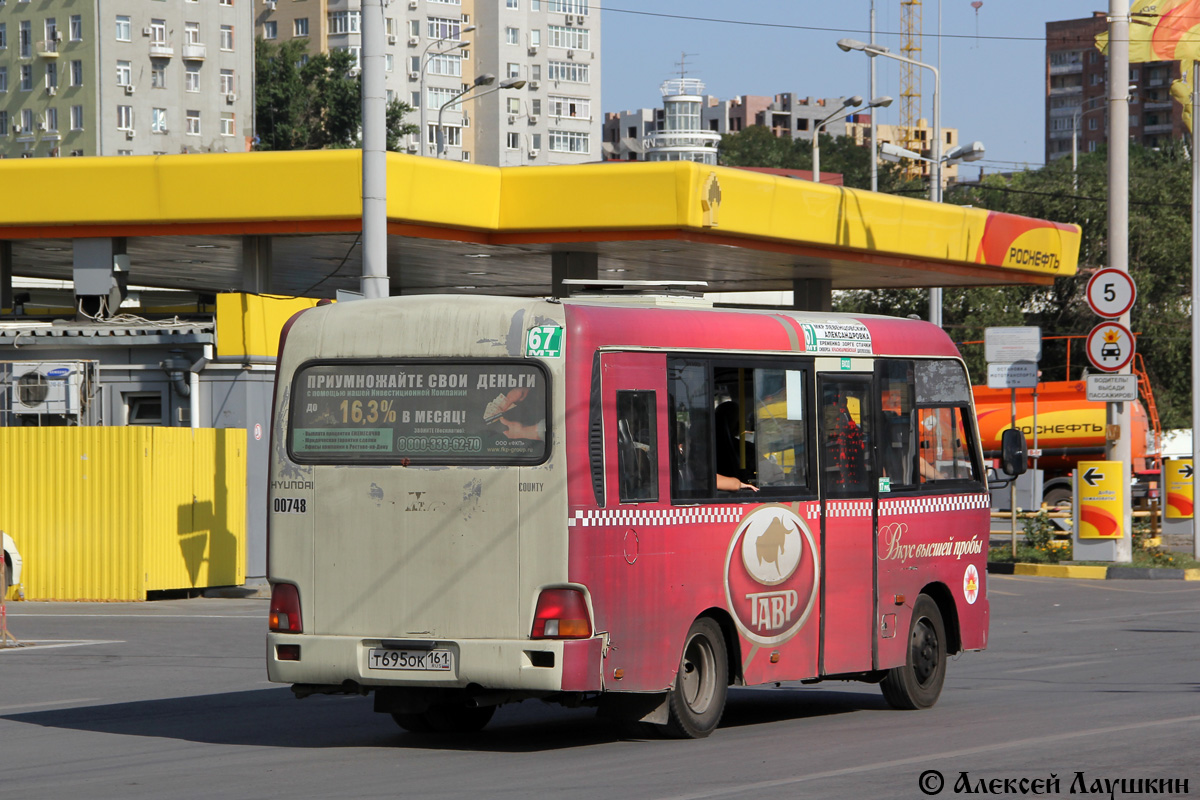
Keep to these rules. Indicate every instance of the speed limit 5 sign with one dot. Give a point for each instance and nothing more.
(1111, 293)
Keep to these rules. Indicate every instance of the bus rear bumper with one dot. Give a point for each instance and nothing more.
(509, 664)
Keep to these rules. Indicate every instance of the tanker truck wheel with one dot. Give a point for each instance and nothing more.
(1058, 498)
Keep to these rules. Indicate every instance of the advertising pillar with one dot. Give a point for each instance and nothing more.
(1100, 511)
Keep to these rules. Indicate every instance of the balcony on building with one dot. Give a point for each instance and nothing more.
(47, 48)
(164, 50)
(194, 52)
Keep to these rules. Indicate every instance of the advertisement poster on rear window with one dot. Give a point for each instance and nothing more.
(420, 413)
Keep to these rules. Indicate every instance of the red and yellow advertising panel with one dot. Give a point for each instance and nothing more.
(1101, 493)
(1177, 474)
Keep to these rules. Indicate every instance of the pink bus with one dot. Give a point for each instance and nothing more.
(631, 505)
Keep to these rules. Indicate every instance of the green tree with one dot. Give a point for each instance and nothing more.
(757, 146)
(1159, 253)
(1159, 259)
(313, 103)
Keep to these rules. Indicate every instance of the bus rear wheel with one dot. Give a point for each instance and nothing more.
(918, 683)
(446, 719)
(698, 698)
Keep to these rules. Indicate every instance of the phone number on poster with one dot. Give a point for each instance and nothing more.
(439, 444)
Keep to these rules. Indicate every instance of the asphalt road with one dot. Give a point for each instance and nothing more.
(170, 699)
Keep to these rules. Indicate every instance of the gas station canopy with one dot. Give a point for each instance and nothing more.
(289, 223)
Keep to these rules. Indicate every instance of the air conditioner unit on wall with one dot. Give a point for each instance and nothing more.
(231, 98)
(129, 88)
(391, 38)
(46, 387)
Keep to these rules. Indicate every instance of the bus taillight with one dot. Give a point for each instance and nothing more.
(561, 614)
(285, 609)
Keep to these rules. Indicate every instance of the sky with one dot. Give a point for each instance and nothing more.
(992, 61)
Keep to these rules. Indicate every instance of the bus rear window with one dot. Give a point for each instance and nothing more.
(420, 412)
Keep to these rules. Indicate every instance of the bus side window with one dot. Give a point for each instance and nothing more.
(780, 440)
(897, 436)
(846, 438)
(944, 452)
(690, 399)
(943, 399)
(637, 448)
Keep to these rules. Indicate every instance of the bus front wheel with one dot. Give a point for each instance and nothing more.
(698, 698)
(918, 683)
(446, 718)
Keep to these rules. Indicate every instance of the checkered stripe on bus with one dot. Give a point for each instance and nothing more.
(928, 505)
(841, 508)
(692, 515)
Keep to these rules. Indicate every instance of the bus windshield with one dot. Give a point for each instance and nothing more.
(445, 412)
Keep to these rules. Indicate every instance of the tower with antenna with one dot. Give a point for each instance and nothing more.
(682, 136)
(910, 82)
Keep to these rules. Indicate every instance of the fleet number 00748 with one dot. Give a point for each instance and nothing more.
(290, 505)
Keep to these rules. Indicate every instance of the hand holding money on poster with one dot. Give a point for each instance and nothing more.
(506, 409)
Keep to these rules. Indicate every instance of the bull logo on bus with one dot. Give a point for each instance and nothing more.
(771, 575)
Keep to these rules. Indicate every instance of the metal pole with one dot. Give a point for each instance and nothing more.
(1075, 151)
(874, 132)
(1195, 294)
(374, 158)
(935, 192)
(1012, 487)
(1118, 234)
(817, 154)
(1034, 500)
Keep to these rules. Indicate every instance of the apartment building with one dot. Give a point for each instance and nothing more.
(437, 48)
(1077, 85)
(125, 77)
(633, 135)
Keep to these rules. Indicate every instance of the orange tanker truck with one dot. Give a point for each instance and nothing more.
(1069, 430)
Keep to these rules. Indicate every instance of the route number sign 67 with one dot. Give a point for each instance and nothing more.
(544, 341)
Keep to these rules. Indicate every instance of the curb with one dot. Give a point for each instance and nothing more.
(1092, 573)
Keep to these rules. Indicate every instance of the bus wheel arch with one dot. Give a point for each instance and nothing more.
(941, 594)
(733, 644)
(696, 701)
(918, 682)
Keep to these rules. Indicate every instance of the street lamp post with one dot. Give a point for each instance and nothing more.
(487, 79)
(844, 110)
(847, 105)
(935, 190)
(425, 59)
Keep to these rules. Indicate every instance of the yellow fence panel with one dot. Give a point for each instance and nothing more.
(112, 513)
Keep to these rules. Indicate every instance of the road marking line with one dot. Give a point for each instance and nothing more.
(1131, 617)
(1056, 666)
(50, 703)
(30, 647)
(257, 617)
(750, 788)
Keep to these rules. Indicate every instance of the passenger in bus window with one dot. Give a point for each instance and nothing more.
(734, 451)
(726, 483)
(846, 443)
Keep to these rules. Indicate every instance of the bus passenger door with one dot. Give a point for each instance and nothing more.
(846, 438)
(634, 402)
(625, 556)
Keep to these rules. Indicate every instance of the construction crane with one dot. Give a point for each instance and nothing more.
(910, 85)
